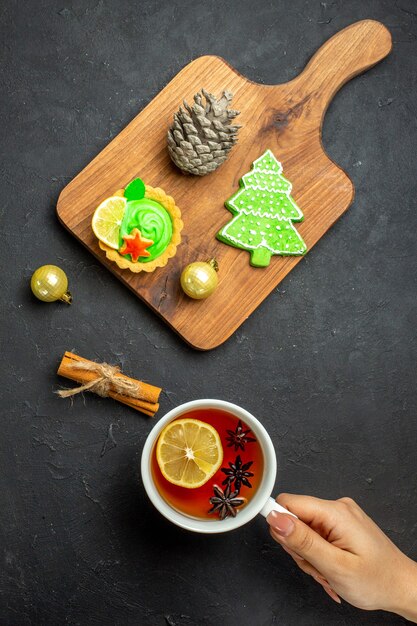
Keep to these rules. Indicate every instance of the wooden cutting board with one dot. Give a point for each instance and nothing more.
(285, 118)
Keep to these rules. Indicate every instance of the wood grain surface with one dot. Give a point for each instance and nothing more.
(287, 119)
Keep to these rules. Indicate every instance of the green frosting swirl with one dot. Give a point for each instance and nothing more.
(153, 221)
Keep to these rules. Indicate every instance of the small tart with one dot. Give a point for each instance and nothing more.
(158, 195)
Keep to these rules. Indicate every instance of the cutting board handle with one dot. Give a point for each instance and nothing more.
(348, 53)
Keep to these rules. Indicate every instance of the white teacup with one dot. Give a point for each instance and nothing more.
(261, 502)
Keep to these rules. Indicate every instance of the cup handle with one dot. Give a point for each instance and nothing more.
(272, 505)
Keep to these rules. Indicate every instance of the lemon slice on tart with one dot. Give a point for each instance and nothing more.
(189, 452)
(107, 219)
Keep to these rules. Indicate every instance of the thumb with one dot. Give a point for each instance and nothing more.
(297, 536)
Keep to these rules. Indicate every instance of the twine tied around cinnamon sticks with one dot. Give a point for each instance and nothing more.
(108, 381)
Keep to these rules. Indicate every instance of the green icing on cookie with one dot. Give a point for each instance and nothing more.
(153, 221)
(263, 214)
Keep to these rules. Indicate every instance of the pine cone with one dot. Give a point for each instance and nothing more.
(201, 136)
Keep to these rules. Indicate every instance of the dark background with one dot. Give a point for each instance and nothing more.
(327, 362)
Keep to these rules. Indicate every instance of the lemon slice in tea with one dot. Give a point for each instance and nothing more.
(189, 452)
(107, 219)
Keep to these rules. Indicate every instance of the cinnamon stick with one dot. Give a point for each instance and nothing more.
(145, 398)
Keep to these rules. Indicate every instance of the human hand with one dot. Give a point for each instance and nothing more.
(347, 553)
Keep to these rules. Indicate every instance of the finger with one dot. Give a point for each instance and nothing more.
(307, 568)
(304, 541)
(304, 565)
(331, 593)
(312, 510)
(294, 555)
(325, 584)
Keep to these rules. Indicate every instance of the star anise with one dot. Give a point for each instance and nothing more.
(238, 474)
(239, 437)
(225, 502)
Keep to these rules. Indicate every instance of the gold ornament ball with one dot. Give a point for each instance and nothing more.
(199, 280)
(50, 283)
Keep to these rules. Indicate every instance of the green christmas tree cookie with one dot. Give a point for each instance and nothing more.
(264, 212)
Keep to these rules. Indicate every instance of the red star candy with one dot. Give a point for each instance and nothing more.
(135, 245)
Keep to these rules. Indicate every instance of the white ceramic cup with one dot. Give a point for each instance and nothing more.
(261, 502)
